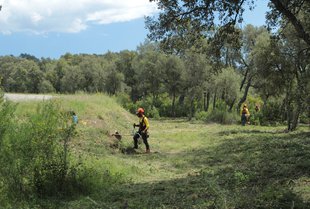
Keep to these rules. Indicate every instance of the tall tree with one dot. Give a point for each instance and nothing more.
(148, 66)
(227, 84)
(201, 15)
(196, 75)
(173, 78)
(113, 80)
(283, 64)
(250, 35)
(124, 65)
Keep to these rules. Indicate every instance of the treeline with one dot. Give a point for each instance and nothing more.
(201, 80)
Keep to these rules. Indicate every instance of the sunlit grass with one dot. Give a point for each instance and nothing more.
(192, 164)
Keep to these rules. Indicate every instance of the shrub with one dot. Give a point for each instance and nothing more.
(271, 113)
(35, 156)
(217, 116)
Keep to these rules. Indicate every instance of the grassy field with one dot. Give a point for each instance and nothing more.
(192, 164)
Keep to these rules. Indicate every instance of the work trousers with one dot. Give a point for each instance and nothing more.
(144, 137)
(243, 119)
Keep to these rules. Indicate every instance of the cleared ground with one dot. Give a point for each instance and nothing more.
(196, 165)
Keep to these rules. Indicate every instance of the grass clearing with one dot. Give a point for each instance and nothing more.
(192, 165)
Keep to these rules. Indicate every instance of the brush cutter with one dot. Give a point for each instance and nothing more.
(119, 136)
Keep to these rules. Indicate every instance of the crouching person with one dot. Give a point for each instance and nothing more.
(143, 130)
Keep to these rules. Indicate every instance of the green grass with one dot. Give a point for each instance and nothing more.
(192, 165)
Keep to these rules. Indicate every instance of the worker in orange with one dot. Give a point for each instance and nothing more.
(143, 130)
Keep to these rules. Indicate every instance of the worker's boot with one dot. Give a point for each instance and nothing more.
(147, 151)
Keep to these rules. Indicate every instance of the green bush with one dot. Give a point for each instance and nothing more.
(271, 113)
(36, 162)
(147, 104)
(305, 117)
(35, 155)
(217, 116)
(155, 108)
(203, 115)
(256, 117)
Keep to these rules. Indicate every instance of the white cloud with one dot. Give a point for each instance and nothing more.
(68, 16)
(36, 18)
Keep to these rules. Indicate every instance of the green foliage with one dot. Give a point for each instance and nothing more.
(147, 104)
(184, 82)
(6, 113)
(272, 113)
(227, 85)
(113, 81)
(35, 156)
(46, 87)
(217, 116)
(37, 162)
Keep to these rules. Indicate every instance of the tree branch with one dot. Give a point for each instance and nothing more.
(292, 18)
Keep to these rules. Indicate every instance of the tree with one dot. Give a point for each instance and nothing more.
(114, 80)
(289, 12)
(227, 84)
(124, 65)
(72, 80)
(57, 73)
(46, 87)
(149, 71)
(173, 78)
(196, 68)
(21, 75)
(282, 64)
(201, 15)
(7, 64)
(250, 35)
(92, 68)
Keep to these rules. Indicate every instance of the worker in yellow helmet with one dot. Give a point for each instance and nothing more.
(245, 114)
(143, 130)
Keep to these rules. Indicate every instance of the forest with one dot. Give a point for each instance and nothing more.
(205, 81)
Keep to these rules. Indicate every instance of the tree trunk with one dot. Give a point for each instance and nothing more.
(298, 110)
(232, 105)
(289, 108)
(173, 105)
(293, 20)
(289, 117)
(295, 118)
(283, 110)
(181, 99)
(245, 95)
(191, 112)
(214, 101)
(208, 101)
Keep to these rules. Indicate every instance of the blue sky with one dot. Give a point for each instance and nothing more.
(51, 28)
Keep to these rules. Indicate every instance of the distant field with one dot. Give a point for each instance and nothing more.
(27, 97)
(192, 164)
